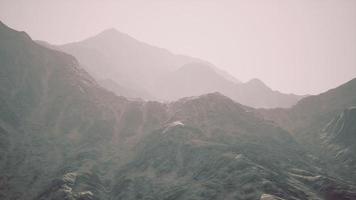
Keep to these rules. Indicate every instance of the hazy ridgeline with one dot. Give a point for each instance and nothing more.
(110, 118)
(137, 70)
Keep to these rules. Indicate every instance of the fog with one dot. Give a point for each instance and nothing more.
(300, 46)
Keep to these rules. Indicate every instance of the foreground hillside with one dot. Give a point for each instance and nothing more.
(325, 125)
(62, 136)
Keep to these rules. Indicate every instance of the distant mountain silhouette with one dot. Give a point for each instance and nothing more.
(162, 75)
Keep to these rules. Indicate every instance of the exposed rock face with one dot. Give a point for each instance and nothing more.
(62, 136)
(325, 125)
(342, 129)
(339, 137)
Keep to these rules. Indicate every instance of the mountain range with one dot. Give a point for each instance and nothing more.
(135, 69)
(65, 136)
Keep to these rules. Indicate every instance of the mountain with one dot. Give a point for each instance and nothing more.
(324, 123)
(313, 112)
(117, 56)
(341, 130)
(213, 149)
(338, 139)
(256, 94)
(52, 111)
(198, 78)
(128, 91)
(63, 136)
(162, 75)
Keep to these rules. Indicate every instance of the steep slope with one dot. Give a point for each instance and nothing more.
(315, 111)
(341, 130)
(65, 137)
(314, 116)
(212, 148)
(117, 56)
(57, 123)
(46, 96)
(338, 138)
(129, 91)
(165, 76)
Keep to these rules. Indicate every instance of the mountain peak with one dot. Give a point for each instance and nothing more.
(8, 32)
(255, 82)
(167, 76)
(109, 35)
(214, 98)
(110, 31)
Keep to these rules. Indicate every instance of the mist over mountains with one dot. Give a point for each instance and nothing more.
(122, 64)
(63, 135)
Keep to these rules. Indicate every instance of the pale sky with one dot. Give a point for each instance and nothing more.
(297, 46)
